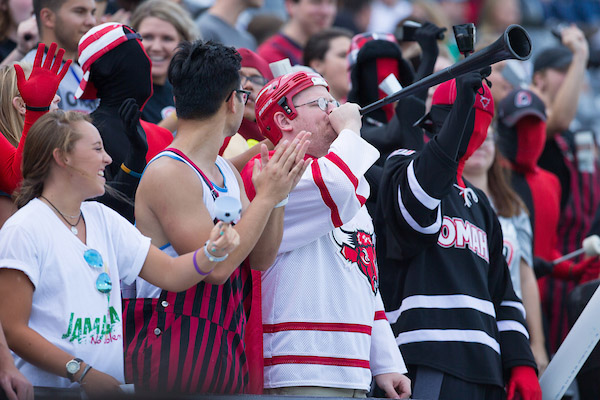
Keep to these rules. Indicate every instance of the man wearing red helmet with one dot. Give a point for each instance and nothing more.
(325, 332)
(445, 282)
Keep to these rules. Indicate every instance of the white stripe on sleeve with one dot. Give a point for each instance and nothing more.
(514, 304)
(418, 191)
(504, 326)
(431, 229)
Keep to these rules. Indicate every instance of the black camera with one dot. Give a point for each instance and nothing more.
(406, 32)
(465, 38)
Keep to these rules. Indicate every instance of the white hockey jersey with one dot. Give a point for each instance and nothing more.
(323, 317)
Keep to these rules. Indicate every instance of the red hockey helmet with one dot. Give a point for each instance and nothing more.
(277, 96)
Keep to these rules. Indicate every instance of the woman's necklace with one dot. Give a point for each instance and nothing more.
(64, 216)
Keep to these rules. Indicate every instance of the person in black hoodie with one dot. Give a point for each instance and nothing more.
(117, 70)
(372, 58)
(444, 281)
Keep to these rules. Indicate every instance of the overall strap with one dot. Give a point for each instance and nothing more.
(182, 157)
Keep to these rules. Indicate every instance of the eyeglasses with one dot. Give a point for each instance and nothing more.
(94, 260)
(245, 95)
(256, 79)
(322, 103)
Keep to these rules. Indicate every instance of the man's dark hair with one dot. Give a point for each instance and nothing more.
(52, 5)
(318, 44)
(203, 75)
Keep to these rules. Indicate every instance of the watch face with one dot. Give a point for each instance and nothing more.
(73, 366)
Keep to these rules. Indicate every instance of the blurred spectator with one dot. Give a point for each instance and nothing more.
(218, 23)
(64, 22)
(583, 11)
(572, 156)
(497, 15)
(353, 15)
(255, 74)
(457, 11)
(372, 58)
(306, 17)
(163, 24)
(385, 15)
(18, 33)
(483, 170)
(326, 52)
(263, 26)
(430, 11)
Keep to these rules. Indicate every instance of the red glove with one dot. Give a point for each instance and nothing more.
(568, 270)
(38, 91)
(523, 379)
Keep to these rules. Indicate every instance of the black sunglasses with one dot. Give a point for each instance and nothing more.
(245, 95)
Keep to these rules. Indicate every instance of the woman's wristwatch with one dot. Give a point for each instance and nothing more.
(73, 366)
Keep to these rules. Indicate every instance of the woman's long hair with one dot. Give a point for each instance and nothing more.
(506, 201)
(11, 122)
(54, 130)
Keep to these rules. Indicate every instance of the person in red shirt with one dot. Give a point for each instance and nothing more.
(307, 17)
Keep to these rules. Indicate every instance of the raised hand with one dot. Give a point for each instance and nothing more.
(346, 116)
(278, 175)
(38, 91)
(130, 115)
(467, 86)
(427, 36)
(574, 39)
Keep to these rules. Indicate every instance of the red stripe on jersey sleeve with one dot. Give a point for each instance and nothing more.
(338, 362)
(316, 326)
(318, 177)
(380, 315)
(334, 158)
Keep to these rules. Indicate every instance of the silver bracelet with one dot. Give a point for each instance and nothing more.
(212, 258)
(85, 371)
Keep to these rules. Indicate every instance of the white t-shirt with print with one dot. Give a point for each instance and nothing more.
(67, 309)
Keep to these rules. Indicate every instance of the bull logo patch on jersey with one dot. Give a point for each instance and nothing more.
(462, 234)
(357, 248)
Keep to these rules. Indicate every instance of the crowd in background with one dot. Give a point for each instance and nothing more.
(148, 99)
